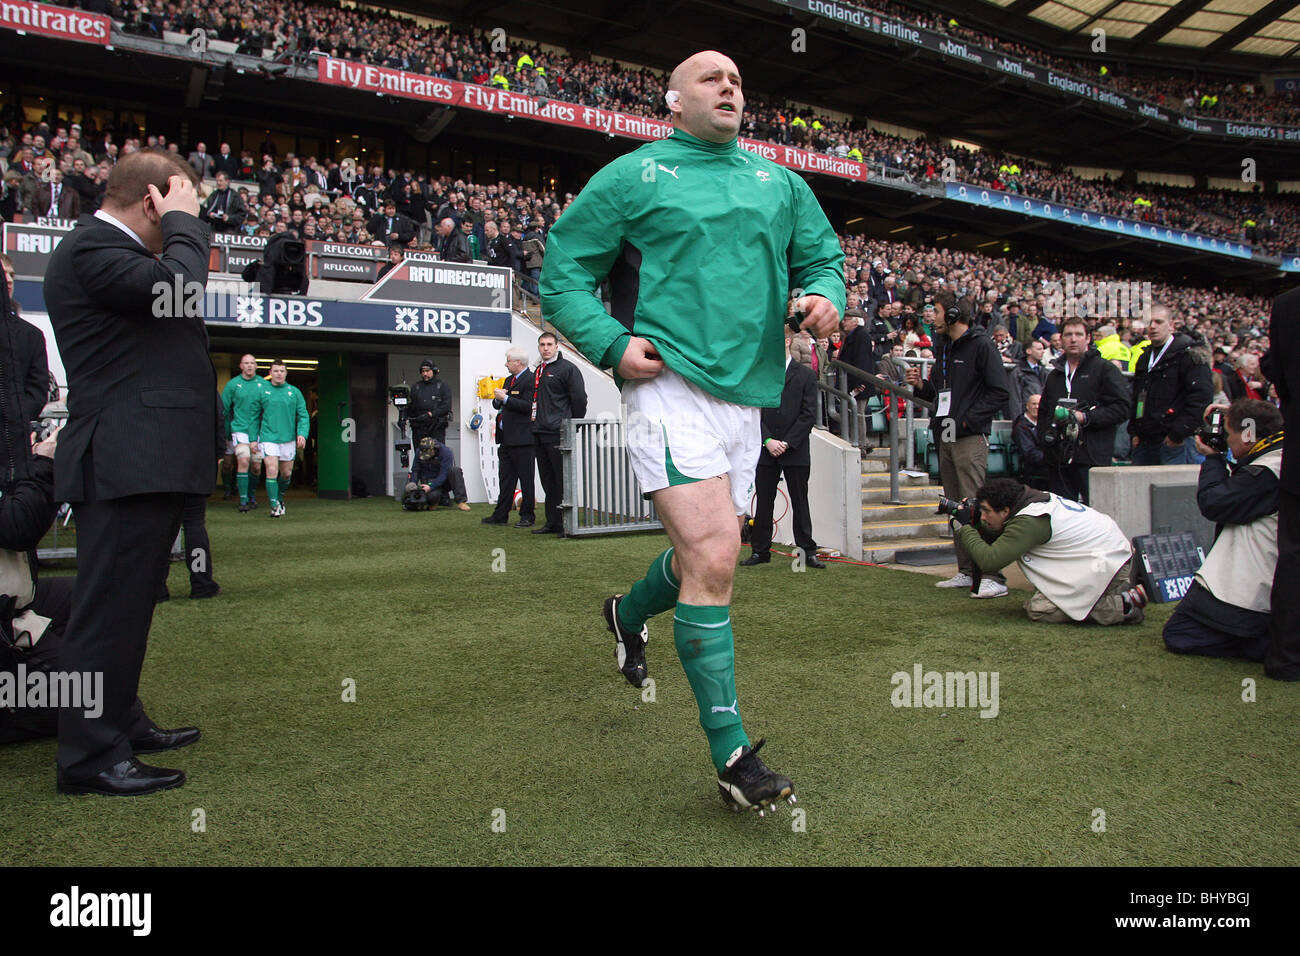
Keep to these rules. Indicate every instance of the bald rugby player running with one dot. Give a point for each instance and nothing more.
(684, 228)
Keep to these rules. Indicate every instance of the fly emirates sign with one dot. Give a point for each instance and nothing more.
(433, 89)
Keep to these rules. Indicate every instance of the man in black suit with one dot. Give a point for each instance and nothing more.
(515, 441)
(25, 345)
(390, 227)
(225, 162)
(857, 350)
(786, 450)
(225, 209)
(1282, 367)
(139, 381)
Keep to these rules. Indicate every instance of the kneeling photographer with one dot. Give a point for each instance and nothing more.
(1078, 559)
(433, 477)
(1084, 400)
(1226, 611)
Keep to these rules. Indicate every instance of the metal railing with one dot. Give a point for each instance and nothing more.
(889, 388)
(601, 494)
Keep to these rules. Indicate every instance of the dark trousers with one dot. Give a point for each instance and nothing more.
(198, 550)
(123, 546)
(454, 486)
(1283, 658)
(515, 466)
(766, 477)
(1069, 481)
(1186, 635)
(550, 468)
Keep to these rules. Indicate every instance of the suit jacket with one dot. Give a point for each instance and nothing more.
(402, 225)
(857, 350)
(1281, 366)
(793, 420)
(226, 164)
(137, 382)
(514, 424)
(25, 344)
(69, 201)
(205, 167)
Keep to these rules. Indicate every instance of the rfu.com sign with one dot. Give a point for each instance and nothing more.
(434, 321)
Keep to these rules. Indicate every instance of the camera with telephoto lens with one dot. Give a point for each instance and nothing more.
(963, 511)
(1061, 431)
(1214, 432)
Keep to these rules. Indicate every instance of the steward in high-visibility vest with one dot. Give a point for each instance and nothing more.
(523, 61)
(499, 80)
(1135, 353)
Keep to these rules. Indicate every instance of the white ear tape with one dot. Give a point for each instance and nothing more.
(671, 97)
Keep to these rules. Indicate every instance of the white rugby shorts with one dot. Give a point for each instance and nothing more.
(285, 451)
(678, 433)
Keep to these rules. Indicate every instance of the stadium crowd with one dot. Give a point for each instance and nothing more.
(507, 224)
(286, 28)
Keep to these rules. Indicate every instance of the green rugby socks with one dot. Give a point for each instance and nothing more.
(273, 491)
(242, 479)
(655, 592)
(707, 652)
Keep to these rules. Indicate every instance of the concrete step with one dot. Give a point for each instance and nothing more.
(881, 479)
(879, 495)
(893, 530)
(886, 551)
(878, 511)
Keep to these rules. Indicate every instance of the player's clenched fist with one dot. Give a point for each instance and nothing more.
(820, 315)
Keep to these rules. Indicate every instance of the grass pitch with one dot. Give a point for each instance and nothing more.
(491, 727)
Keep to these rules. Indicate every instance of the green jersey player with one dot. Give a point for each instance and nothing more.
(242, 398)
(686, 229)
(285, 423)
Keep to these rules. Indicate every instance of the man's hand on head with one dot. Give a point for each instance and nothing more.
(181, 197)
(819, 315)
(640, 360)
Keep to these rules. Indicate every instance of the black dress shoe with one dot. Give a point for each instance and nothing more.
(490, 520)
(546, 529)
(756, 558)
(524, 523)
(158, 740)
(130, 778)
(812, 561)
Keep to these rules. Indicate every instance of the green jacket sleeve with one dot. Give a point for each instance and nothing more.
(580, 250)
(1020, 534)
(816, 259)
(304, 420)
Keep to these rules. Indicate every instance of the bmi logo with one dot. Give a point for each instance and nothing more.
(407, 319)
